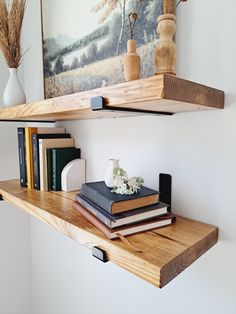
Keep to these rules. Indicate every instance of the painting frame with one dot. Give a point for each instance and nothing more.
(82, 72)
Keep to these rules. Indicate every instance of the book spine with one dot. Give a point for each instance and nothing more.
(29, 156)
(93, 220)
(46, 170)
(54, 171)
(49, 169)
(22, 160)
(36, 161)
(97, 198)
(41, 167)
(94, 211)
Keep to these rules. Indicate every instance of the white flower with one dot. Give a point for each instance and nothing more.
(123, 185)
(117, 181)
(134, 185)
(121, 189)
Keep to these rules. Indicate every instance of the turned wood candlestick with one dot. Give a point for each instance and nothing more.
(131, 62)
(165, 52)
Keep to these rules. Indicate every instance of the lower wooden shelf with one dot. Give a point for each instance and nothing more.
(156, 256)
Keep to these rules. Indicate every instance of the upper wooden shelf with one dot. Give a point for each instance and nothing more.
(156, 256)
(159, 93)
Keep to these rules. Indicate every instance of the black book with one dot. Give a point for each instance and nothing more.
(125, 218)
(35, 146)
(22, 158)
(101, 195)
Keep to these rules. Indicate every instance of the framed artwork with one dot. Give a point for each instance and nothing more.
(84, 42)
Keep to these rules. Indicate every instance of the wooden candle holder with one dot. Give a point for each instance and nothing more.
(166, 52)
(131, 62)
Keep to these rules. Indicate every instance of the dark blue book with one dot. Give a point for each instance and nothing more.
(22, 158)
(125, 218)
(35, 147)
(113, 203)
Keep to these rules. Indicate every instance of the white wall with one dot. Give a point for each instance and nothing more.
(15, 257)
(198, 149)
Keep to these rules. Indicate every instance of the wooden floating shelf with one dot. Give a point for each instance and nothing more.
(156, 256)
(159, 93)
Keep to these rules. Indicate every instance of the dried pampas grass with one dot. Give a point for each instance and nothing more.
(11, 19)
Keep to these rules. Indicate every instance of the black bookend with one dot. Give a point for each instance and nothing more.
(165, 188)
(99, 254)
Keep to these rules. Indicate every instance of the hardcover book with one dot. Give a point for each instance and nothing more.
(29, 131)
(100, 194)
(29, 156)
(58, 158)
(125, 230)
(35, 143)
(43, 145)
(22, 156)
(125, 218)
(50, 130)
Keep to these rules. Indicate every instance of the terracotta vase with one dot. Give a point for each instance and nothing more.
(131, 62)
(109, 175)
(165, 52)
(13, 94)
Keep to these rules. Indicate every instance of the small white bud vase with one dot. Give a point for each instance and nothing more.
(109, 176)
(13, 94)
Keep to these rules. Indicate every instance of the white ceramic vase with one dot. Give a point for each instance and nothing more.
(13, 94)
(109, 176)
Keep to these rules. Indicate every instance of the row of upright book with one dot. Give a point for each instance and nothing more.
(121, 215)
(43, 153)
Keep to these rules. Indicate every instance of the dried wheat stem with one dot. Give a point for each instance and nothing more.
(11, 20)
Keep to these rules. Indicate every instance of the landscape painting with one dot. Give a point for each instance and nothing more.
(84, 42)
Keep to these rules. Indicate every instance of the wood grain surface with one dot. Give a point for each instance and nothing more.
(156, 256)
(156, 93)
(168, 6)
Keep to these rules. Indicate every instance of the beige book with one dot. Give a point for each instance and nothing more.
(43, 145)
(50, 130)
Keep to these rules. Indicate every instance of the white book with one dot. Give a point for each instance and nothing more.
(43, 145)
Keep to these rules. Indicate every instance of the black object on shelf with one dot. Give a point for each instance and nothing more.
(1, 198)
(100, 103)
(165, 186)
(99, 254)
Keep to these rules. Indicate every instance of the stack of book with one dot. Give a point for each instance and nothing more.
(43, 153)
(121, 215)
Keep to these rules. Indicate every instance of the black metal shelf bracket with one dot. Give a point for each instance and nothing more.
(100, 103)
(99, 254)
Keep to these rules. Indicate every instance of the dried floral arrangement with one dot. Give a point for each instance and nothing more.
(133, 16)
(122, 184)
(178, 3)
(11, 19)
